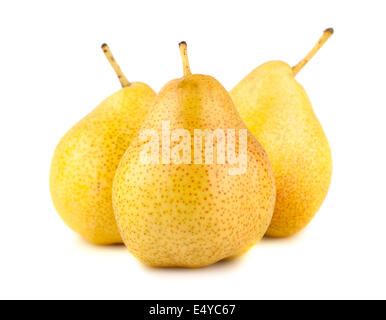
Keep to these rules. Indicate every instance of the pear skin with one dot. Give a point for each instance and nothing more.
(277, 110)
(192, 214)
(86, 158)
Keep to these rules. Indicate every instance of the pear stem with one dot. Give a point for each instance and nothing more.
(326, 34)
(184, 56)
(122, 79)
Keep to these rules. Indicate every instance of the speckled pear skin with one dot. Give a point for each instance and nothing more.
(192, 215)
(277, 110)
(86, 158)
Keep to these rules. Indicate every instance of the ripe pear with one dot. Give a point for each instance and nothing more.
(277, 110)
(187, 212)
(86, 158)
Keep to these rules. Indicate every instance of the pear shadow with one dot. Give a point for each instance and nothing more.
(222, 265)
(291, 239)
(226, 264)
(89, 245)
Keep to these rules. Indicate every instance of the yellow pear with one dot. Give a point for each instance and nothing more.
(86, 158)
(277, 110)
(182, 200)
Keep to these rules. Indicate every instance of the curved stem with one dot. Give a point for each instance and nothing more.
(326, 34)
(184, 56)
(122, 79)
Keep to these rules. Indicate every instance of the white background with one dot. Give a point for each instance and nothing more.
(53, 72)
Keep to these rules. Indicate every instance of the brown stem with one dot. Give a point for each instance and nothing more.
(122, 79)
(184, 56)
(326, 34)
